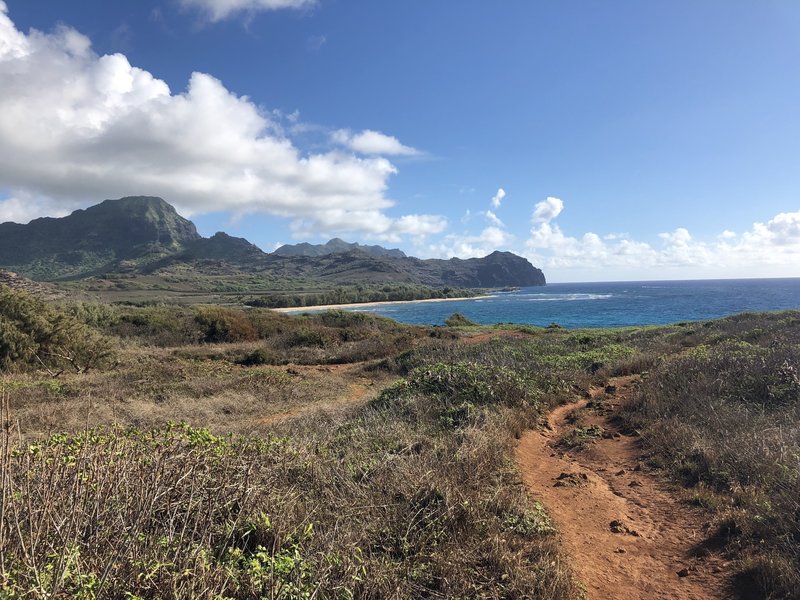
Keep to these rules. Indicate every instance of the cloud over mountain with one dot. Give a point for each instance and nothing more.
(76, 127)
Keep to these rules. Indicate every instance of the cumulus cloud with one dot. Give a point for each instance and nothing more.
(547, 210)
(679, 237)
(471, 246)
(497, 199)
(372, 143)
(76, 128)
(775, 243)
(782, 230)
(420, 224)
(218, 10)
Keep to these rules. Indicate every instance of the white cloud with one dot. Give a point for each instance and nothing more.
(77, 128)
(493, 219)
(547, 210)
(497, 199)
(679, 237)
(372, 143)
(782, 230)
(22, 209)
(471, 246)
(420, 225)
(370, 223)
(771, 248)
(218, 10)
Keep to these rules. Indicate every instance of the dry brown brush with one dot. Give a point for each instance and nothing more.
(725, 419)
(413, 496)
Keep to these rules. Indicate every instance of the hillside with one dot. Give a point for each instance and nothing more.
(496, 270)
(96, 240)
(646, 462)
(141, 243)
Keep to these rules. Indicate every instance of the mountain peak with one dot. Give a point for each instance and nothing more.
(96, 238)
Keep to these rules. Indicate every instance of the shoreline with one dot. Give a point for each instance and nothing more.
(363, 304)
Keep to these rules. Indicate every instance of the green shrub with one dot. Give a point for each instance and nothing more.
(34, 334)
(459, 393)
(223, 325)
(307, 337)
(724, 418)
(458, 320)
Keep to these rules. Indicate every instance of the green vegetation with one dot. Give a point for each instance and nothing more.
(243, 453)
(581, 436)
(357, 294)
(458, 320)
(34, 334)
(411, 494)
(724, 417)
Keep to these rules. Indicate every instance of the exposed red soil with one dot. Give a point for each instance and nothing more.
(627, 532)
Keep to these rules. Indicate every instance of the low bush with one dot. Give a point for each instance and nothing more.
(459, 394)
(726, 418)
(458, 320)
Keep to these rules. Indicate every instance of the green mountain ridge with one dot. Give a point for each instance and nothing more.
(144, 238)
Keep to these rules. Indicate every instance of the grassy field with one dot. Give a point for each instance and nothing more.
(212, 452)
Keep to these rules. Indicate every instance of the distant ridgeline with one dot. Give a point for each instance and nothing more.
(144, 238)
(335, 246)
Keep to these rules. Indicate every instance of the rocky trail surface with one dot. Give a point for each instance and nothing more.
(627, 533)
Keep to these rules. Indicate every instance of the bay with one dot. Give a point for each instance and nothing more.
(612, 304)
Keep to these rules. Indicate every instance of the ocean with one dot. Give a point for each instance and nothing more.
(614, 304)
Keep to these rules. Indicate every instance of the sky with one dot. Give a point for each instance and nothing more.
(603, 141)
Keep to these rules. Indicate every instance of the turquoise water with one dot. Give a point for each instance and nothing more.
(609, 304)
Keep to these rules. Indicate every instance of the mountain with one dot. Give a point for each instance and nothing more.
(335, 246)
(142, 241)
(96, 240)
(499, 269)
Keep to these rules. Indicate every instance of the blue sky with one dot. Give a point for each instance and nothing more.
(632, 140)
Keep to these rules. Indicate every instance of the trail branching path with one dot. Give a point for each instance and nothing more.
(628, 535)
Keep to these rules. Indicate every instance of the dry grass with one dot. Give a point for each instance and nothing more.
(154, 385)
(395, 501)
(328, 488)
(724, 418)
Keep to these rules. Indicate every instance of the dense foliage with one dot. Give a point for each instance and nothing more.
(356, 294)
(34, 334)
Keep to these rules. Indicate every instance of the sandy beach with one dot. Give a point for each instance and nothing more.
(362, 304)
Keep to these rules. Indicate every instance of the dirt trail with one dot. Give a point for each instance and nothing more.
(628, 536)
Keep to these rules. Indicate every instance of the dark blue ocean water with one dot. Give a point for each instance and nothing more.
(609, 304)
